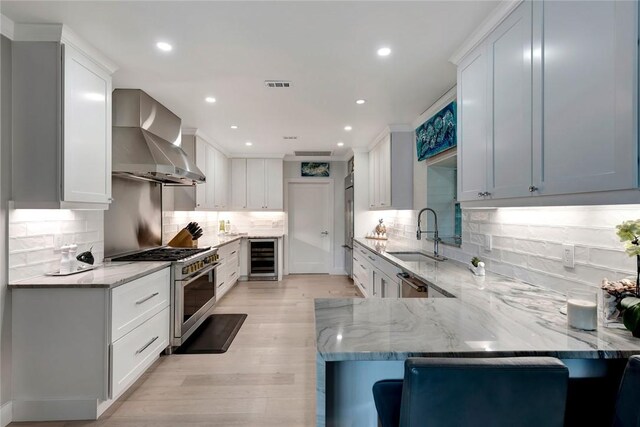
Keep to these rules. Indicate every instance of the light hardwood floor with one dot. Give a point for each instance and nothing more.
(266, 378)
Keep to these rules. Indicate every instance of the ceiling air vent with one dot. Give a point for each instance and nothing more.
(312, 153)
(289, 138)
(278, 83)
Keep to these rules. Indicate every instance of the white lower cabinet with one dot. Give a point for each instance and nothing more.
(374, 276)
(133, 353)
(76, 350)
(228, 271)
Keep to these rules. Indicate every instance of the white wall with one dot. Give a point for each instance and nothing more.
(5, 185)
(338, 171)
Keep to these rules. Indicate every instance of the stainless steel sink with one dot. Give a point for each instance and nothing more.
(416, 256)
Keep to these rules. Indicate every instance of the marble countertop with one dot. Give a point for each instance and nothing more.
(108, 275)
(491, 314)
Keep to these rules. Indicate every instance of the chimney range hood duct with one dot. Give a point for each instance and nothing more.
(146, 141)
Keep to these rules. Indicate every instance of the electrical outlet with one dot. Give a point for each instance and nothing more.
(568, 256)
(57, 242)
(488, 242)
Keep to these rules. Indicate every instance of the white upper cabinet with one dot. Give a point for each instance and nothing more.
(509, 92)
(238, 184)
(547, 104)
(264, 184)
(255, 184)
(274, 184)
(391, 172)
(221, 174)
(61, 104)
(472, 126)
(212, 195)
(87, 130)
(588, 96)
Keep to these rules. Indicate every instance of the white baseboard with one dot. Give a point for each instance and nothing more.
(338, 272)
(6, 414)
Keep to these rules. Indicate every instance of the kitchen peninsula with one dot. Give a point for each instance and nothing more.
(360, 341)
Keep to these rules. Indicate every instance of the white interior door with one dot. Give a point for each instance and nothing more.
(310, 238)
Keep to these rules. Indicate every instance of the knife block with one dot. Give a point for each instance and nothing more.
(183, 240)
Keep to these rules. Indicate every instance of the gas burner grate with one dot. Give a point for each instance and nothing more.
(161, 254)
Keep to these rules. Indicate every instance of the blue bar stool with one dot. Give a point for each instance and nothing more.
(627, 412)
(496, 392)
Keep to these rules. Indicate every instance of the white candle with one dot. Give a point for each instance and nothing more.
(582, 314)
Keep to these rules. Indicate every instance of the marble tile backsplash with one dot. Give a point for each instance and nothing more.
(32, 238)
(527, 242)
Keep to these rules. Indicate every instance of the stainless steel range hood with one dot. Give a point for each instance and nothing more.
(146, 141)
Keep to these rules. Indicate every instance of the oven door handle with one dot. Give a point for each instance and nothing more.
(199, 274)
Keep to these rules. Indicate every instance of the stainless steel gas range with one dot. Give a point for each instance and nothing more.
(193, 279)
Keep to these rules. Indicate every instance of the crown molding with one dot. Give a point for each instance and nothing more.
(63, 34)
(200, 134)
(256, 156)
(386, 131)
(7, 27)
(488, 25)
(443, 101)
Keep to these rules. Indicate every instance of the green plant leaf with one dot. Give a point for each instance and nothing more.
(629, 302)
(631, 319)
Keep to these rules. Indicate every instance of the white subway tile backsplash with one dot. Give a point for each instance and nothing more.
(32, 236)
(527, 242)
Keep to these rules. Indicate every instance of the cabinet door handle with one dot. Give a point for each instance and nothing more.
(232, 253)
(147, 298)
(371, 258)
(144, 347)
(532, 188)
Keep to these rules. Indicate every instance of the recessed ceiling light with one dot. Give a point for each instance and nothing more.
(348, 128)
(164, 46)
(210, 99)
(340, 144)
(234, 126)
(384, 51)
(248, 143)
(360, 101)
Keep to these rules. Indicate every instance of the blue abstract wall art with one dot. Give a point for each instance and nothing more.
(437, 134)
(314, 169)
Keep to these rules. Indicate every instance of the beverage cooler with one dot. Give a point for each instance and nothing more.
(263, 259)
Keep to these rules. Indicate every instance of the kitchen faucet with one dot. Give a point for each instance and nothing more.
(436, 237)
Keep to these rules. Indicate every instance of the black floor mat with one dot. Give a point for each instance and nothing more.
(215, 335)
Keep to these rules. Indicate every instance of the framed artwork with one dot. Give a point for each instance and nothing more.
(315, 169)
(437, 134)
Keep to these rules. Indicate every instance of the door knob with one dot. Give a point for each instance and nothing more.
(324, 233)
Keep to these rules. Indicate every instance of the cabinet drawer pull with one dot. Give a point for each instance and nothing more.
(355, 275)
(363, 267)
(232, 253)
(147, 298)
(144, 347)
(371, 258)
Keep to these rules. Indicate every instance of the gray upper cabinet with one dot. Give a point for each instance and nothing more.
(586, 94)
(547, 104)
